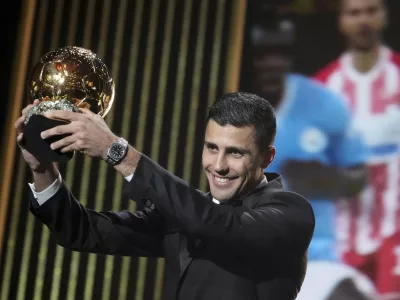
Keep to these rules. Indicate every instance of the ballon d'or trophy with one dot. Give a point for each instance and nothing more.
(67, 78)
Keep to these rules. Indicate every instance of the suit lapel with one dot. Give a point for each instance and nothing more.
(184, 257)
(186, 249)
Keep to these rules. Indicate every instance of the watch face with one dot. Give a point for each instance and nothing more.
(117, 151)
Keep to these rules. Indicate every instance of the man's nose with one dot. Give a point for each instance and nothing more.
(221, 164)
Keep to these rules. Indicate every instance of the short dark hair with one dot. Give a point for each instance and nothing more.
(242, 109)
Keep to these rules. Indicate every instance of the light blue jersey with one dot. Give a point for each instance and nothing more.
(313, 123)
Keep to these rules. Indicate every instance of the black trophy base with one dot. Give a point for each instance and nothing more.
(39, 147)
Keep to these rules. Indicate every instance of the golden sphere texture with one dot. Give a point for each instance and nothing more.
(74, 75)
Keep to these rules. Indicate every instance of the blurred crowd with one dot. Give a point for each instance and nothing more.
(338, 144)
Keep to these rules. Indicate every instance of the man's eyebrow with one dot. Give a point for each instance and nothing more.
(228, 149)
(237, 149)
(209, 144)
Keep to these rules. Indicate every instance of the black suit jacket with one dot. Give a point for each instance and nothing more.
(252, 249)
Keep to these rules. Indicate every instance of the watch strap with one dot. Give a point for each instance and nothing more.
(110, 159)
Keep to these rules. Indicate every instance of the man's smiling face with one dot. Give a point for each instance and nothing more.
(232, 160)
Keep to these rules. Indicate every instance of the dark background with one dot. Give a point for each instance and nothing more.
(9, 24)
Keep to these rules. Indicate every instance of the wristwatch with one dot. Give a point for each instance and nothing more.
(117, 151)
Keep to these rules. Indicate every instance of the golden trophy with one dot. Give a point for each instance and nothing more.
(67, 78)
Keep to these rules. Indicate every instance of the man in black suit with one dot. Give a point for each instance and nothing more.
(245, 239)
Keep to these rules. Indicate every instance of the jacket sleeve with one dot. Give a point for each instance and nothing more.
(81, 229)
(284, 220)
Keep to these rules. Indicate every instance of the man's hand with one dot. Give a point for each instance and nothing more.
(44, 174)
(88, 133)
(32, 161)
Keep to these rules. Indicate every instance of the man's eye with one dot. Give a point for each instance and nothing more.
(236, 154)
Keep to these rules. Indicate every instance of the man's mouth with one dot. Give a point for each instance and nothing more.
(221, 180)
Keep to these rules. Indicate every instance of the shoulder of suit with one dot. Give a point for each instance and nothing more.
(288, 199)
(295, 207)
(299, 206)
(274, 191)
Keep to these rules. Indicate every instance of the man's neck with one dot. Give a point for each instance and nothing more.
(364, 61)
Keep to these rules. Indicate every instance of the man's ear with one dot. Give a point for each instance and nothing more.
(268, 157)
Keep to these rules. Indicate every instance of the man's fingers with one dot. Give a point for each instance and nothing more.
(63, 142)
(70, 148)
(24, 111)
(20, 137)
(18, 124)
(35, 103)
(58, 130)
(63, 115)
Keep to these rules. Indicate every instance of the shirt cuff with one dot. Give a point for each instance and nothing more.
(129, 178)
(43, 196)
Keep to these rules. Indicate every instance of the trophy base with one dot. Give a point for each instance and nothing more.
(39, 147)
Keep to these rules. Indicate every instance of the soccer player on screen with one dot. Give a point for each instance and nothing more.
(319, 155)
(368, 76)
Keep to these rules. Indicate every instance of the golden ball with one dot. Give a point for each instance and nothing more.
(72, 74)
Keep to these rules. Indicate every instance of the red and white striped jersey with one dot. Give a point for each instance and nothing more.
(374, 98)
